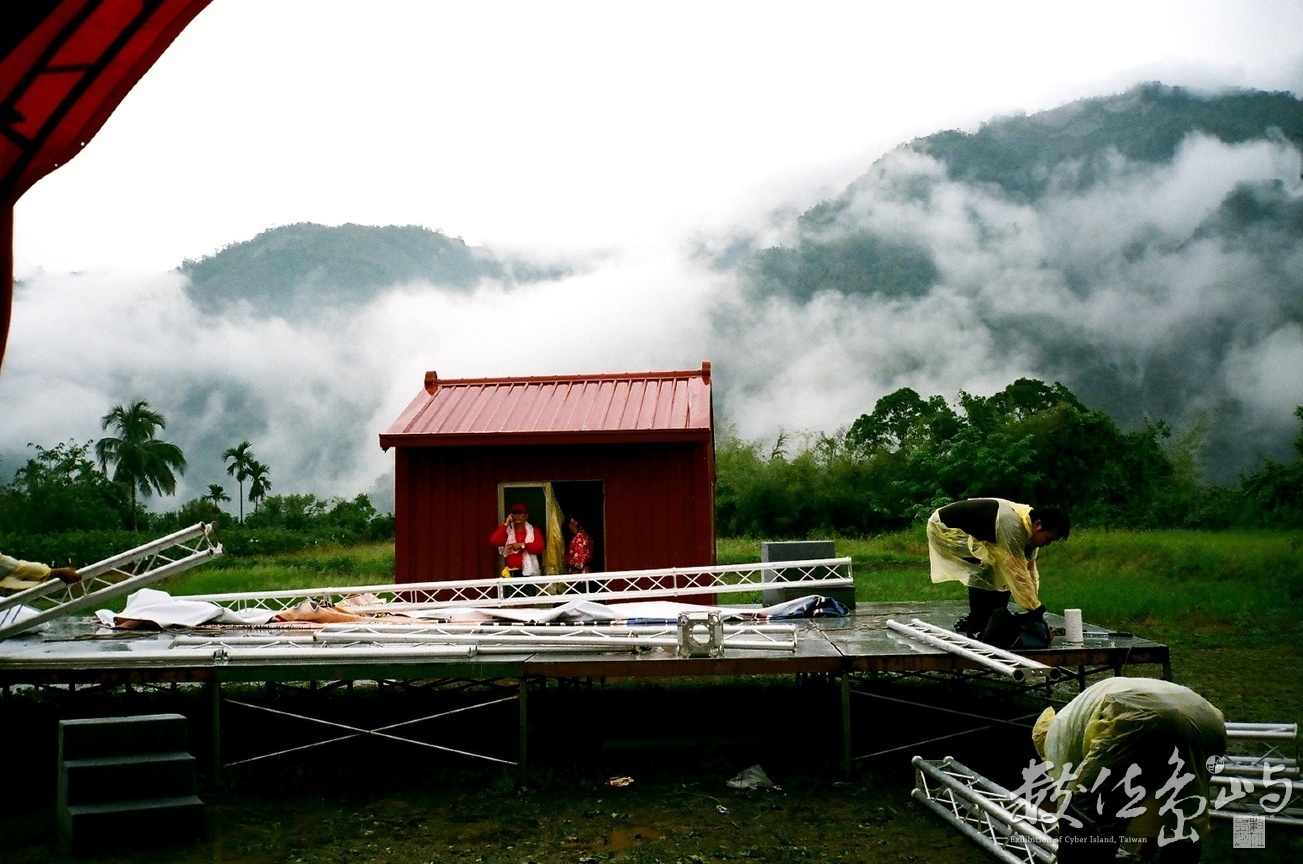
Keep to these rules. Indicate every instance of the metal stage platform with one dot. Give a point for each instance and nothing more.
(74, 653)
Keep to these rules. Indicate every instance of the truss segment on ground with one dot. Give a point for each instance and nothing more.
(1260, 774)
(112, 577)
(817, 575)
(1009, 827)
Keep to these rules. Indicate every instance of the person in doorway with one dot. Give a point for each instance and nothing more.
(16, 575)
(990, 545)
(519, 543)
(1134, 755)
(579, 552)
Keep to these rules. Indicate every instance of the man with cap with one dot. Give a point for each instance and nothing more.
(519, 543)
(1133, 756)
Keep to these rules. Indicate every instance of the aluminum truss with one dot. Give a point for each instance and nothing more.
(1011, 828)
(1019, 668)
(1264, 782)
(486, 639)
(110, 578)
(817, 575)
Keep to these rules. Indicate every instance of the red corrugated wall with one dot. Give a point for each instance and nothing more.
(659, 503)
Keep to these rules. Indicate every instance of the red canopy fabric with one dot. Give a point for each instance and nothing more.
(67, 65)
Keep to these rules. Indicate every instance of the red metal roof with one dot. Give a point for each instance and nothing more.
(619, 407)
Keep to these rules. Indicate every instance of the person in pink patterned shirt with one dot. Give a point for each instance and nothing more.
(579, 554)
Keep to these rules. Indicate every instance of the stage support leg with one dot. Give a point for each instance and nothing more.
(215, 705)
(523, 769)
(846, 724)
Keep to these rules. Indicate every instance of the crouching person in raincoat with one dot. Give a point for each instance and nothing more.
(990, 545)
(1131, 756)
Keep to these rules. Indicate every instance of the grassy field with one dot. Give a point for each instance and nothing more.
(1225, 602)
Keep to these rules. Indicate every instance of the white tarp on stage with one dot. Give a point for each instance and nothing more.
(152, 606)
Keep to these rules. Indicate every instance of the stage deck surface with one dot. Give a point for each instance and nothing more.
(80, 651)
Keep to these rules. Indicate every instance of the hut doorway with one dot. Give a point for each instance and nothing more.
(584, 500)
(550, 505)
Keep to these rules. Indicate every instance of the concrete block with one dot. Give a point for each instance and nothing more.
(799, 550)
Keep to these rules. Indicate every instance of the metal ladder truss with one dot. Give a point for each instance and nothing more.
(488, 639)
(816, 575)
(1019, 668)
(1012, 829)
(111, 578)
(1241, 782)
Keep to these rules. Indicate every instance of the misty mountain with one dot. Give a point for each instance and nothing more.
(1077, 143)
(295, 270)
(1145, 249)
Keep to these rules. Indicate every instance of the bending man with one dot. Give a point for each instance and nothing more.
(1133, 754)
(990, 545)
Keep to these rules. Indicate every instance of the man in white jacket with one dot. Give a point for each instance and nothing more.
(990, 545)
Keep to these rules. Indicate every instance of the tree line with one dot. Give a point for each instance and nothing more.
(81, 502)
(1031, 442)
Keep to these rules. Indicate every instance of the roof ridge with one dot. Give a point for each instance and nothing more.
(704, 371)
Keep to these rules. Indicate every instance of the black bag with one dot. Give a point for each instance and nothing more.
(1004, 630)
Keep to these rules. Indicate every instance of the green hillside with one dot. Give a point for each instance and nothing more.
(296, 270)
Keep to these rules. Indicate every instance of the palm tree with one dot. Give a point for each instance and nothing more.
(259, 485)
(140, 460)
(216, 495)
(238, 459)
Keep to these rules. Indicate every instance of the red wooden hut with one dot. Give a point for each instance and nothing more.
(630, 455)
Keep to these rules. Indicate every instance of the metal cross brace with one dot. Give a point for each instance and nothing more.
(379, 732)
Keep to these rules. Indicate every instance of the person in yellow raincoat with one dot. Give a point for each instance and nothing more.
(18, 575)
(990, 545)
(1134, 755)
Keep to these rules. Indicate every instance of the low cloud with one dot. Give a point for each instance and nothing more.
(1141, 291)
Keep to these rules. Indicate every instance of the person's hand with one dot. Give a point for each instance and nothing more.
(1026, 618)
(66, 575)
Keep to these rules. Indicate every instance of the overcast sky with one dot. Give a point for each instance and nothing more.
(618, 135)
(564, 126)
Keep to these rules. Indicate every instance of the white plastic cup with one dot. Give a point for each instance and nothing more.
(1072, 625)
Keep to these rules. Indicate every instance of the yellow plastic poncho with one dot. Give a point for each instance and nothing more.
(18, 575)
(1005, 565)
(1120, 722)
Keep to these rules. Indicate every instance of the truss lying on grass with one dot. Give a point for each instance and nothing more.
(1011, 828)
(1016, 666)
(816, 576)
(109, 578)
(1015, 830)
(1260, 775)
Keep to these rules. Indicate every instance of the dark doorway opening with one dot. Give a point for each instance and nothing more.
(583, 500)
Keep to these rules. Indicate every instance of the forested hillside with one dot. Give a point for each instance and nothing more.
(1144, 249)
(300, 270)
